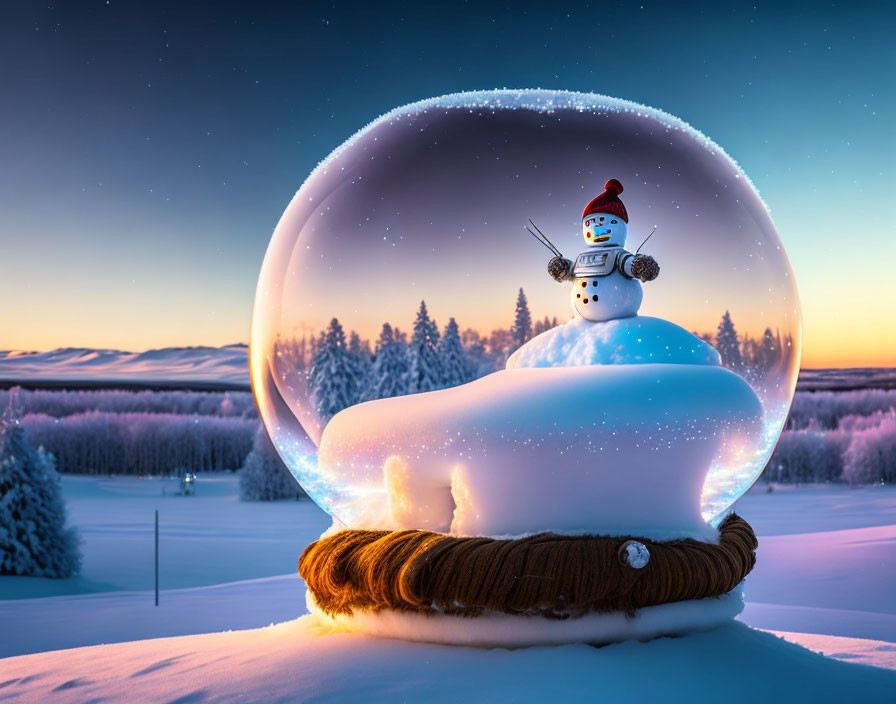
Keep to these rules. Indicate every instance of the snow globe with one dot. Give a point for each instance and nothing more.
(527, 348)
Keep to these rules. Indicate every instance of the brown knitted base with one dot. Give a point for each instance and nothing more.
(551, 575)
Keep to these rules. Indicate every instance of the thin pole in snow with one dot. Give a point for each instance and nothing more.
(157, 557)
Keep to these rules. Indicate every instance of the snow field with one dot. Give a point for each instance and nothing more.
(304, 660)
(843, 608)
(206, 539)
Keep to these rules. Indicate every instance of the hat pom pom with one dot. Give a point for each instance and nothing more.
(614, 186)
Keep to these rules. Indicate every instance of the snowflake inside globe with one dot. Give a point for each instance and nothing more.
(464, 324)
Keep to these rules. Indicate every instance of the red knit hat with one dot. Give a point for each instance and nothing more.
(608, 201)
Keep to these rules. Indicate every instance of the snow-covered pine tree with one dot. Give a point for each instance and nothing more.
(34, 540)
(768, 350)
(334, 379)
(481, 362)
(401, 337)
(500, 346)
(318, 343)
(293, 351)
(472, 340)
(426, 366)
(456, 368)
(522, 321)
(358, 347)
(727, 344)
(301, 354)
(541, 326)
(389, 373)
(360, 352)
(263, 476)
(749, 351)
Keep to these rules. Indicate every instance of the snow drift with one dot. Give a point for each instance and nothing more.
(306, 660)
(634, 340)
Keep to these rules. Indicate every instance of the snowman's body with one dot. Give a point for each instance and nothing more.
(601, 289)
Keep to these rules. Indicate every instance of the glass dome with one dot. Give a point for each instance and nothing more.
(429, 203)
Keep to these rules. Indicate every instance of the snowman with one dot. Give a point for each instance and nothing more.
(606, 277)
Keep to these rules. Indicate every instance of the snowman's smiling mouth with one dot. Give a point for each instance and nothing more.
(601, 238)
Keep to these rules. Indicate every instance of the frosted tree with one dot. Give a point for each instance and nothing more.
(455, 366)
(426, 367)
(727, 344)
(472, 340)
(401, 337)
(389, 374)
(544, 325)
(871, 454)
(360, 352)
(749, 352)
(769, 349)
(318, 343)
(96, 442)
(358, 347)
(808, 455)
(226, 409)
(335, 377)
(481, 362)
(500, 345)
(300, 353)
(293, 351)
(34, 539)
(522, 321)
(263, 476)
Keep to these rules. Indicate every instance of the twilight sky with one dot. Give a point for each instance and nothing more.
(148, 150)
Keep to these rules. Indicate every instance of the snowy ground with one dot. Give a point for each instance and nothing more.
(824, 579)
(210, 538)
(299, 661)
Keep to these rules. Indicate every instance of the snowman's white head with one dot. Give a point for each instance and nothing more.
(604, 230)
(605, 220)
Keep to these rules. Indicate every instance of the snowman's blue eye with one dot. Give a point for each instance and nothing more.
(612, 222)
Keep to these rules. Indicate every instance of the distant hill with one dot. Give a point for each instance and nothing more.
(846, 379)
(225, 368)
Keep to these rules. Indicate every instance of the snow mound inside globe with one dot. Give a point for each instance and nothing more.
(418, 221)
(635, 340)
(626, 451)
